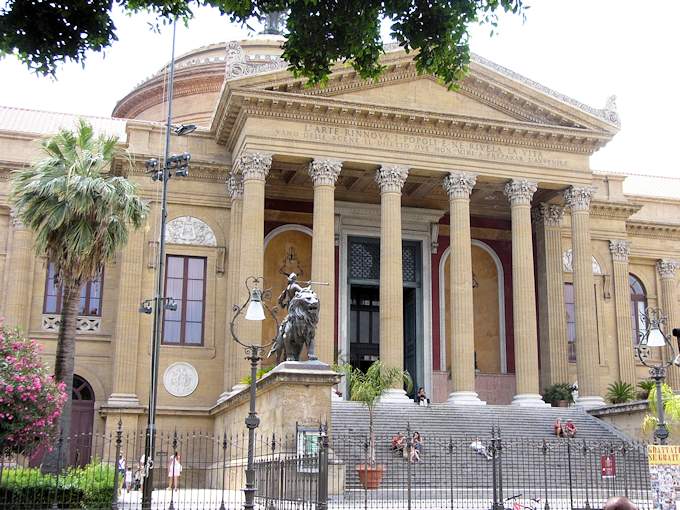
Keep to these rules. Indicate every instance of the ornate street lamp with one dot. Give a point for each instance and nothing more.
(653, 320)
(255, 307)
(175, 165)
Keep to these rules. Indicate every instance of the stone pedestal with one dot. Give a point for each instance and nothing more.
(294, 393)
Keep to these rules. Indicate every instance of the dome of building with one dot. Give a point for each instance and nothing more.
(199, 75)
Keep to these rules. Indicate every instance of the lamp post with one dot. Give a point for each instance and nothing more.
(653, 336)
(255, 307)
(172, 165)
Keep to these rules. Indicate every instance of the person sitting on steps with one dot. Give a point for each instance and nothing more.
(480, 449)
(557, 427)
(569, 429)
(398, 442)
(421, 397)
(416, 447)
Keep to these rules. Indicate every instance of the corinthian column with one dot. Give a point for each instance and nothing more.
(459, 186)
(620, 250)
(552, 321)
(587, 357)
(519, 192)
(233, 370)
(127, 324)
(667, 269)
(324, 173)
(19, 271)
(391, 179)
(253, 167)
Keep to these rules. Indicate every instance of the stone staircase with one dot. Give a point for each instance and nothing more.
(447, 459)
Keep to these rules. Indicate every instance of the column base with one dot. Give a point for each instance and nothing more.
(394, 396)
(529, 400)
(590, 402)
(465, 398)
(123, 400)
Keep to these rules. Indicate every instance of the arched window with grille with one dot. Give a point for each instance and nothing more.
(638, 304)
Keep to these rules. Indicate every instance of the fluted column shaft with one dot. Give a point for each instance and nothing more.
(254, 168)
(234, 370)
(552, 321)
(620, 250)
(324, 174)
(459, 186)
(667, 269)
(124, 391)
(391, 179)
(19, 269)
(520, 192)
(587, 358)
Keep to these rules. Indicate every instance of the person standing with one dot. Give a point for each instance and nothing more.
(174, 471)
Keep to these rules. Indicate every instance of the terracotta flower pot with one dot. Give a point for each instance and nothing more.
(370, 476)
(562, 403)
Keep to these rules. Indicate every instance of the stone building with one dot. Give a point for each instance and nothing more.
(463, 234)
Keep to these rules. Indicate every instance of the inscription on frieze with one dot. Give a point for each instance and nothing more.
(353, 137)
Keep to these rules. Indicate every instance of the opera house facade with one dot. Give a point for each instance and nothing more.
(462, 234)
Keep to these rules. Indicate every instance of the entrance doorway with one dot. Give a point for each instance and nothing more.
(364, 305)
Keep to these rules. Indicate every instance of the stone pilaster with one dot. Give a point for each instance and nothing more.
(519, 193)
(233, 369)
(667, 269)
(253, 167)
(126, 340)
(391, 179)
(552, 321)
(19, 271)
(620, 250)
(458, 186)
(587, 356)
(324, 174)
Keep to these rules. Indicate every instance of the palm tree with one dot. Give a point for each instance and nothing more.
(80, 214)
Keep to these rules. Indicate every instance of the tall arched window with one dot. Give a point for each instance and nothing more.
(638, 304)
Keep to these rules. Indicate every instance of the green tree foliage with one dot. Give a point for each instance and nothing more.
(620, 392)
(320, 32)
(671, 406)
(367, 388)
(80, 215)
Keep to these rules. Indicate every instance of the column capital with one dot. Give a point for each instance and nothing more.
(14, 220)
(391, 178)
(235, 186)
(325, 172)
(578, 197)
(620, 249)
(459, 184)
(520, 191)
(667, 268)
(549, 215)
(253, 165)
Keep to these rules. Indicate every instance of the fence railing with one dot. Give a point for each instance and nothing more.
(312, 470)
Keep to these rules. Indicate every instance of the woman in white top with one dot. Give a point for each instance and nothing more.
(174, 471)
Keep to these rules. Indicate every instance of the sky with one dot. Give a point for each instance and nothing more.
(586, 49)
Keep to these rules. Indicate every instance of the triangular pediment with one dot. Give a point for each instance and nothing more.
(424, 94)
(488, 92)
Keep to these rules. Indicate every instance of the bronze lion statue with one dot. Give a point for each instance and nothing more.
(298, 327)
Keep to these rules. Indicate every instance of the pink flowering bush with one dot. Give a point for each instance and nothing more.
(30, 400)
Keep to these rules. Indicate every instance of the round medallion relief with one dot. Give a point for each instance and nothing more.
(180, 379)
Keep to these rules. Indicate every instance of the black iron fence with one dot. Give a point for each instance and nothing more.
(313, 470)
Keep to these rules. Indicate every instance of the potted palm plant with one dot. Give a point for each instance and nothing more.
(367, 388)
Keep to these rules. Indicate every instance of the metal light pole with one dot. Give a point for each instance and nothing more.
(256, 306)
(177, 165)
(653, 336)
